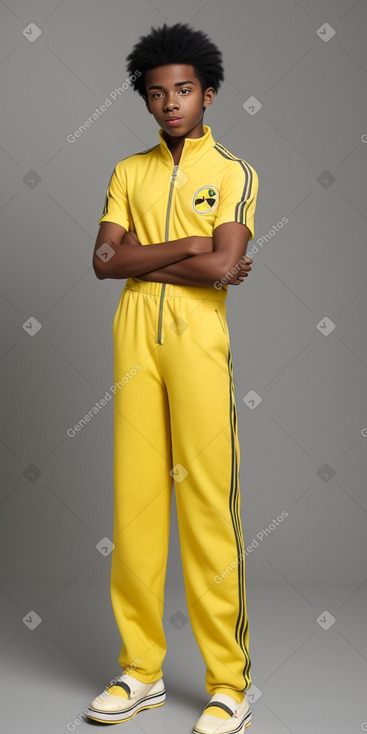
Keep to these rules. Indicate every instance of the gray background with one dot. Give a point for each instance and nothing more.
(303, 448)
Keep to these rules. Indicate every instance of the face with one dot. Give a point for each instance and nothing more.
(176, 100)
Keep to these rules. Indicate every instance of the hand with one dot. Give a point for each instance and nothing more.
(201, 245)
(130, 238)
(243, 272)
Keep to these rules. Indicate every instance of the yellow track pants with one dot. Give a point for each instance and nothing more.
(175, 421)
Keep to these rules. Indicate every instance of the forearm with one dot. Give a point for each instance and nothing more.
(200, 271)
(131, 260)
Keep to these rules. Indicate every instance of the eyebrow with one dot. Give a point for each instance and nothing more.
(177, 84)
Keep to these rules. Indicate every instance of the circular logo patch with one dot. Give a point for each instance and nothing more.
(205, 199)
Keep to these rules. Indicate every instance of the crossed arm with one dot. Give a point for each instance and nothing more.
(196, 261)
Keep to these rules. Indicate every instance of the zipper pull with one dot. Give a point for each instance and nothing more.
(174, 174)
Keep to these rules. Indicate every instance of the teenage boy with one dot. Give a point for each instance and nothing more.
(176, 223)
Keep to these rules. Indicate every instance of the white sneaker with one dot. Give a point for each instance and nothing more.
(240, 716)
(113, 706)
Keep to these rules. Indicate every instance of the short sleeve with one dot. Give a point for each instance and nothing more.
(116, 207)
(238, 196)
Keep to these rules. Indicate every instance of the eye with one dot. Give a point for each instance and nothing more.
(185, 89)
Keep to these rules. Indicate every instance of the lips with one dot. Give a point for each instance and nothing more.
(173, 119)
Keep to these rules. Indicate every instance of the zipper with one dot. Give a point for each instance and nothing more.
(166, 235)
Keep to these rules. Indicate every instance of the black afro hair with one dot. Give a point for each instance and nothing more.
(176, 44)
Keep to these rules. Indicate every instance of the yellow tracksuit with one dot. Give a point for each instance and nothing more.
(175, 418)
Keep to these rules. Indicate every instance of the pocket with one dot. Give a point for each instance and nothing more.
(220, 319)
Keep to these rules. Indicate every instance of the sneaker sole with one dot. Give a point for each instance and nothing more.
(246, 721)
(117, 717)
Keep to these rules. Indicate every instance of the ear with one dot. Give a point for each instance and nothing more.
(208, 97)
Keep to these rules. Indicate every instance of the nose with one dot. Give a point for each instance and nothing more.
(171, 103)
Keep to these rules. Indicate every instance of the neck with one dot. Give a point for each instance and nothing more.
(175, 144)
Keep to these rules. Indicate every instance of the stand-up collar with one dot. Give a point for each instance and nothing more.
(192, 147)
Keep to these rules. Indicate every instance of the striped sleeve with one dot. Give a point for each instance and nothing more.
(116, 207)
(238, 196)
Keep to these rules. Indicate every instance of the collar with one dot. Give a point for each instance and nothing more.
(192, 147)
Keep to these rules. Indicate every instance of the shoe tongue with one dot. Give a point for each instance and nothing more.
(118, 690)
(215, 710)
